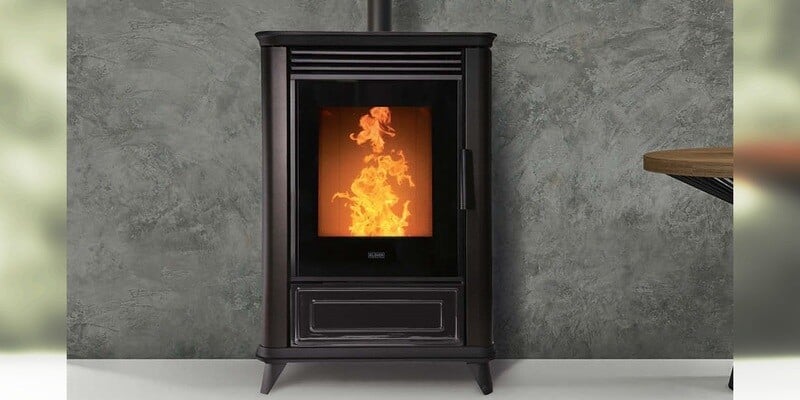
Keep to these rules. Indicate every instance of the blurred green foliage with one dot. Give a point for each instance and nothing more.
(766, 70)
(766, 214)
(32, 173)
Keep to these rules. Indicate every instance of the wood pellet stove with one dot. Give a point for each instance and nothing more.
(376, 181)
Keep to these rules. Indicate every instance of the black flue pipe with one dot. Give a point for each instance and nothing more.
(380, 15)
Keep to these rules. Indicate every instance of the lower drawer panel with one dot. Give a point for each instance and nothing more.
(375, 315)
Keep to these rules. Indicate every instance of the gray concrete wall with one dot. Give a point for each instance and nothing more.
(594, 258)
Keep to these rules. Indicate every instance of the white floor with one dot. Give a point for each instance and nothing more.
(513, 379)
(32, 376)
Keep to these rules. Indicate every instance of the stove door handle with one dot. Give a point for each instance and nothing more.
(466, 181)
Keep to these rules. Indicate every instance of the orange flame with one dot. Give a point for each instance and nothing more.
(371, 197)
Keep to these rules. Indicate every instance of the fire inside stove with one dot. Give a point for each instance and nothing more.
(375, 172)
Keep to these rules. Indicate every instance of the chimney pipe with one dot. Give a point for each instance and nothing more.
(380, 15)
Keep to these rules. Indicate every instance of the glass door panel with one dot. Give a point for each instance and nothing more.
(376, 164)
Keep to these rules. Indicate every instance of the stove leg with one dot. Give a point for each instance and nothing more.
(730, 381)
(271, 373)
(482, 375)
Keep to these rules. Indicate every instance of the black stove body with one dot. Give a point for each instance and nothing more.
(409, 114)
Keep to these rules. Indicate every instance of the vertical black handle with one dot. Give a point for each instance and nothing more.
(466, 181)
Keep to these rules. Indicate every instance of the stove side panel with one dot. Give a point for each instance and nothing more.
(275, 208)
(478, 126)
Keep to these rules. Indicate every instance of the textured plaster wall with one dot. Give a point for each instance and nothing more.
(594, 258)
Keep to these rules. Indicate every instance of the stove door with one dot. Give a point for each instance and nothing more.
(376, 166)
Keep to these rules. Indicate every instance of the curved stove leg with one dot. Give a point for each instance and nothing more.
(271, 373)
(482, 375)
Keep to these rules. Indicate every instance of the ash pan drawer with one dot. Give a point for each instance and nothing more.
(380, 316)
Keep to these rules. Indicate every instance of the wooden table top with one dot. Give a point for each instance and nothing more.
(712, 162)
